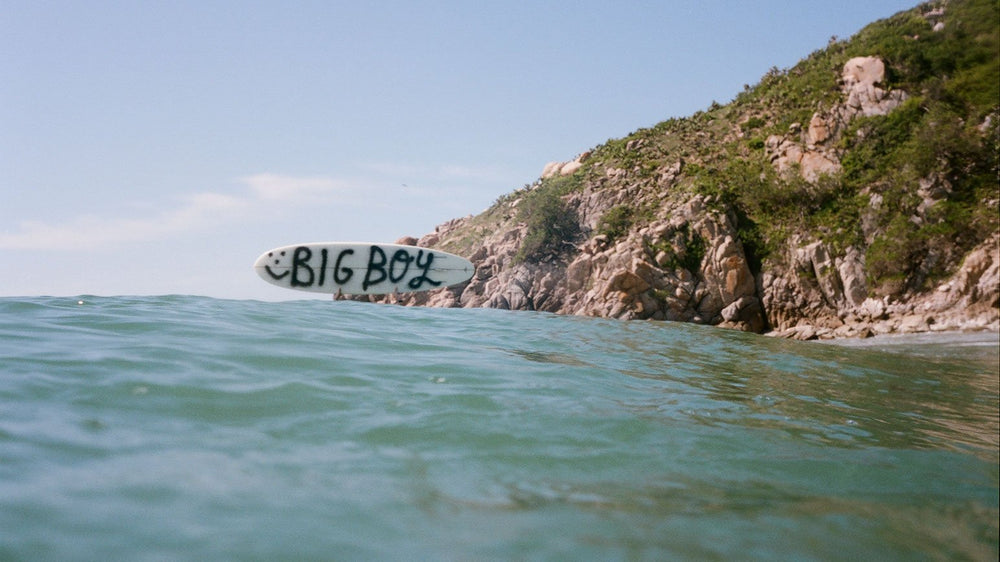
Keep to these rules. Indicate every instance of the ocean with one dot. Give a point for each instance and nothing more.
(191, 428)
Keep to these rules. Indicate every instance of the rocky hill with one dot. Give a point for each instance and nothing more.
(856, 193)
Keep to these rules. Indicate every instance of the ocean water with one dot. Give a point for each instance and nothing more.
(189, 428)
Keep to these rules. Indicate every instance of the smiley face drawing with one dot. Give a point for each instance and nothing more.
(277, 262)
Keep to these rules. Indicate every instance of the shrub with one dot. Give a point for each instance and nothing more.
(551, 223)
(685, 250)
(752, 123)
(694, 252)
(616, 221)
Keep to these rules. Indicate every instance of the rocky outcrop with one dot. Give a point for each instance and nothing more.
(968, 300)
(553, 169)
(813, 151)
(687, 266)
(652, 275)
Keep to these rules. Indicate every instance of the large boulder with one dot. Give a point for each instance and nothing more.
(859, 80)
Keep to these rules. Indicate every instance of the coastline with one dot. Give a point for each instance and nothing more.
(902, 324)
(951, 338)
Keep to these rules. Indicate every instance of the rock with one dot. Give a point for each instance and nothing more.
(803, 332)
(569, 168)
(862, 72)
(429, 240)
(872, 309)
(819, 131)
(625, 282)
(913, 323)
(551, 169)
(859, 79)
(975, 287)
(851, 269)
(815, 260)
(935, 13)
(814, 164)
(817, 285)
(578, 273)
(745, 313)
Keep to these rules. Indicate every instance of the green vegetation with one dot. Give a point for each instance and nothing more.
(753, 123)
(685, 250)
(923, 142)
(616, 221)
(933, 139)
(918, 187)
(953, 79)
(552, 225)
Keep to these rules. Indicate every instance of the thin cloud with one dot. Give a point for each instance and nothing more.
(192, 213)
(274, 187)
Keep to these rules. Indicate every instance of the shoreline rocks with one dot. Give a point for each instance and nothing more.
(817, 297)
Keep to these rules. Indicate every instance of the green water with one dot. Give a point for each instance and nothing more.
(198, 429)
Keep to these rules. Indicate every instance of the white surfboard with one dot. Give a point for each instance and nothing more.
(360, 268)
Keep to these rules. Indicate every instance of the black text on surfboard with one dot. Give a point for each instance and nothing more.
(308, 270)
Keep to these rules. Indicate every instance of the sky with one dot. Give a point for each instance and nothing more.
(152, 148)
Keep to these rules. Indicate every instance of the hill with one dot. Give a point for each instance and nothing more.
(856, 193)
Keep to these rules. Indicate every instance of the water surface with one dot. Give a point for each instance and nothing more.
(181, 427)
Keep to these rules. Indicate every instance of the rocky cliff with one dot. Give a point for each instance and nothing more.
(854, 194)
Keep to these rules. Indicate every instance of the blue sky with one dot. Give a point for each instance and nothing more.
(160, 147)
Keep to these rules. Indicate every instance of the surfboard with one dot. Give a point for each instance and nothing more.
(360, 268)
